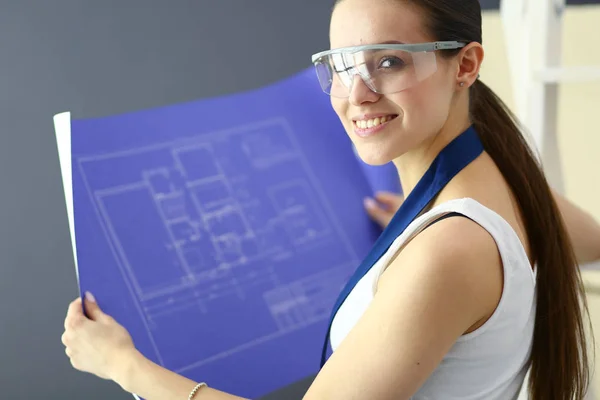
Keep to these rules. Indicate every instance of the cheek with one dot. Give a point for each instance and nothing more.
(425, 107)
(340, 106)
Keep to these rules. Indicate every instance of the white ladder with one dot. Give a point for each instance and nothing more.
(533, 37)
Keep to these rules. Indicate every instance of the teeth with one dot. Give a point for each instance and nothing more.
(364, 124)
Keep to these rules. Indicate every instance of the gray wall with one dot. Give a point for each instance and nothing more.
(96, 58)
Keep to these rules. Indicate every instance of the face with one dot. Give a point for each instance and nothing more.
(412, 117)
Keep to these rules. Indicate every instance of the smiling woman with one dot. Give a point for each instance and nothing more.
(474, 280)
(430, 111)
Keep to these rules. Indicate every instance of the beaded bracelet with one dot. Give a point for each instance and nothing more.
(198, 386)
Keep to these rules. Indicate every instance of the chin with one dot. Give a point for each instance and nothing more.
(373, 157)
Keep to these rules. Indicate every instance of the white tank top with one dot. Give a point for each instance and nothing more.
(491, 362)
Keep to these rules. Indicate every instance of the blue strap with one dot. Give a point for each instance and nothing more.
(450, 161)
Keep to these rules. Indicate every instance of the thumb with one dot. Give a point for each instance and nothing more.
(378, 214)
(92, 308)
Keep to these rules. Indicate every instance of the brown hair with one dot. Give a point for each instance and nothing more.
(559, 360)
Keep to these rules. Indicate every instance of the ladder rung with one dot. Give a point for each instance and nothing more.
(569, 74)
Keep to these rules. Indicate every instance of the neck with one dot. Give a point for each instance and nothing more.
(412, 165)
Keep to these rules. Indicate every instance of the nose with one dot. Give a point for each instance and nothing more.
(360, 93)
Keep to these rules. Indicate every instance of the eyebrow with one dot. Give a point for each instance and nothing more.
(392, 42)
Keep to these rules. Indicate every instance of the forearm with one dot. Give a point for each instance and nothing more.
(140, 376)
(582, 228)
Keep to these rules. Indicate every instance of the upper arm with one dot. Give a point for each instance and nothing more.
(582, 228)
(444, 281)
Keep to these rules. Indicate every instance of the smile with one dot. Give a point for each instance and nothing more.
(369, 126)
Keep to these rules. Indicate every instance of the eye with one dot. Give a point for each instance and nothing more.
(391, 62)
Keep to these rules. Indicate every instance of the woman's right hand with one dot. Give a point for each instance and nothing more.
(383, 207)
(96, 344)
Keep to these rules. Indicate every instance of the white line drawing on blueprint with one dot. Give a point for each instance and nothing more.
(291, 306)
(225, 219)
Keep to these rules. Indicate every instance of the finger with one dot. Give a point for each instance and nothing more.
(74, 363)
(75, 308)
(92, 308)
(75, 315)
(378, 214)
(389, 199)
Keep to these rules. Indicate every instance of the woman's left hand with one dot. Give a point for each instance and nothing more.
(383, 207)
(98, 344)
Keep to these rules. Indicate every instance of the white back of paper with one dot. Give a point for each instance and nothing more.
(62, 128)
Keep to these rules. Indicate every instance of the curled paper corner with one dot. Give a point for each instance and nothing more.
(62, 130)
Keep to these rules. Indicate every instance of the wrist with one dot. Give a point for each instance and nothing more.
(125, 368)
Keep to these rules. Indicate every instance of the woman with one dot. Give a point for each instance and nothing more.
(473, 282)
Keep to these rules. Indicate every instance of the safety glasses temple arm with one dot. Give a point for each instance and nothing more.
(416, 47)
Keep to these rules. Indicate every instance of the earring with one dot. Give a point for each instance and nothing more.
(462, 84)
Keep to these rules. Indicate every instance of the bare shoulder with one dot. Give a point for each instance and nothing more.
(454, 258)
(444, 283)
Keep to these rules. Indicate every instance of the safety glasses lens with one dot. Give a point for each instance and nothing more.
(383, 71)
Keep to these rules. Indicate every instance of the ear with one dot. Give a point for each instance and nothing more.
(469, 63)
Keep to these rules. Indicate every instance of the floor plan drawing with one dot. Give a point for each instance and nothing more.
(219, 232)
(228, 227)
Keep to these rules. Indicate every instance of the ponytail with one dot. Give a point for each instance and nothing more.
(559, 361)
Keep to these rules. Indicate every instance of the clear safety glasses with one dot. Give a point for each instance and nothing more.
(384, 68)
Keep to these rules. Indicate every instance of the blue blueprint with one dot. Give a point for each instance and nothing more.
(220, 232)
